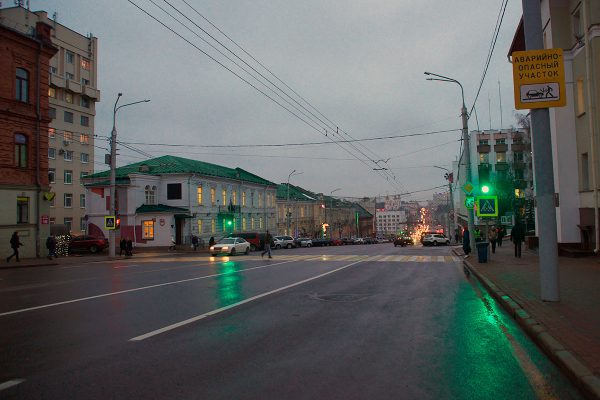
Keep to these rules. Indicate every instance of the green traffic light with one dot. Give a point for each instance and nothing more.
(485, 189)
(229, 222)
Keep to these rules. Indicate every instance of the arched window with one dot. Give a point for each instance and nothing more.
(22, 85)
(20, 150)
(150, 194)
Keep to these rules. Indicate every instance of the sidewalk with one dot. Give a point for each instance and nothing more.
(75, 258)
(569, 330)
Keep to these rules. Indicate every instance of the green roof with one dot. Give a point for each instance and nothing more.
(178, 165)
(155, 208)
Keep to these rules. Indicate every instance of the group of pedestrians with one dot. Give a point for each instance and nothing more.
(126, 245)
(495, 236)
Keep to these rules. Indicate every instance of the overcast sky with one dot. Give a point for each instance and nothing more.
(359, 63)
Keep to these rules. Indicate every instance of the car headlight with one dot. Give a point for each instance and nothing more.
(225, 247)
(212, 247)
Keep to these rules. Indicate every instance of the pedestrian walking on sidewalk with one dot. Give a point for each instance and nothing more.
(122, 246)
(268, 240)
(517, 235)
(194, 242)
(211, 241)
(15, 242)
(501, 233)
(51, 246)
(466, 245)
(493, 236)
(128, 247)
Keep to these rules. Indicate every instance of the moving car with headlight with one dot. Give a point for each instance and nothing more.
(231, 246)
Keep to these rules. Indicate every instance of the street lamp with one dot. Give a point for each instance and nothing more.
(331, 203)
(287, 204)
(113, 170)
(467, 148)
(448, 176)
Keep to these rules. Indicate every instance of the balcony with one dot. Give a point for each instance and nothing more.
(501, 166)
(73, 86)
(92, 93)
(57, 81)
(500, 148)
(483, 148)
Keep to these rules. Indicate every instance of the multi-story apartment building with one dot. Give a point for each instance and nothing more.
(23, 136)
(390, 222)
(173, 197)
(73, 92)
(574, 26)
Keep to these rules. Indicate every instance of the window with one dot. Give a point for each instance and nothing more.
(484, 158)
(500, 141)
(501, 157)
(148, 230)
(173, 191)
(518, 174)
(82, 201)
(82, 224)
(252, 223)
(518, 156)
(85, 121)
(585, 172)
(22, 85)
(260, 200)
(580, 98)
(85, 64)
(85, 102)
(68, 174)
(82, 175)
(84, 138)
(85, 82)
(69, 97)
(68, 117)
(52, 175)
(244, 223)
(224, 196)
(68, 200)
(53, 70)
(52, 220)
(234, 197)
(70, 76)
(51, 133)
(213, 226)
(483, 142)
(200, 228)
(69, 57)
(84, 158)
(52, 113)
(213, 196)
(243, 199)
(260, 225)
(67, 137)
(199, 195)
(150, 194)
(22, 210)
(52, 92)
(68, 223)
(20, 150)
(51, 153)
(68, 155)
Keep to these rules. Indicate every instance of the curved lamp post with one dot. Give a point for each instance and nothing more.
(287, 204)
(467, 147)
(113, 168)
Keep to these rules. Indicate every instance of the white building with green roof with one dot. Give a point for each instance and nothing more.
(173, 197)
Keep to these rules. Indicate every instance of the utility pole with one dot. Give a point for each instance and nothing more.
(544, 174)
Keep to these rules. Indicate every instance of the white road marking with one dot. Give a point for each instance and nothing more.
(220, 310)
(134, 290)
(11, 383)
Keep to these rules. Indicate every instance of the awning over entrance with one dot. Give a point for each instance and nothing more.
(161, 208)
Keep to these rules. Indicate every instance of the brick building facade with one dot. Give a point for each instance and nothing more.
(24, 136)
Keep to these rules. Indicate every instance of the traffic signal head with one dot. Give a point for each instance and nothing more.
(118, 222)
(485, 189)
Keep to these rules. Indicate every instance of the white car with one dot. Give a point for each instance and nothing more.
(435, 240)
(304, 242)
(231, 246)
(283, 241)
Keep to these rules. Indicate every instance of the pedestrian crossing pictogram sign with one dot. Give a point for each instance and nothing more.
(110, 222)
(487, 206)
(469, 202)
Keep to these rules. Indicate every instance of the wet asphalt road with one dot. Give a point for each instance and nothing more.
(350, 322)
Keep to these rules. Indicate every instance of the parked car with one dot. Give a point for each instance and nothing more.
(337, 242)
(303, 242)
(231, 246)
(256, 239)
(85, 243)
(283, 241)
(347, 241)
(403, 240)
(321, 242)
(435, 239)
(358, 241)
(370, 240)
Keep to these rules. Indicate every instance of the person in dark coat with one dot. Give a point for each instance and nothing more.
(51, 246)
(517, 235)
(122, 246)
(195, 242)
(211, 241)
(466, 244)
(128, 247)
(501, 233)
(15, 242)
(268, 240)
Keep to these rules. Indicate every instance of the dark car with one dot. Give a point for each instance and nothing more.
(256, 239)
(371, 240)
(337, 242)
(85, 243)
(321, 242)
(402, 241)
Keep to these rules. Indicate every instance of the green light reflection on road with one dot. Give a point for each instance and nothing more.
(229, 284)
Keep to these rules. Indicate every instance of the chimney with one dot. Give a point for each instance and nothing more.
(43, 32)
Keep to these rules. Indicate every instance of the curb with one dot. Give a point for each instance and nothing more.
(576, 371)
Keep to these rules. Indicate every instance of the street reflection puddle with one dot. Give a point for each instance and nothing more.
(229, 284)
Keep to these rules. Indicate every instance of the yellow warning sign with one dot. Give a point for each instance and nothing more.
(539, 79)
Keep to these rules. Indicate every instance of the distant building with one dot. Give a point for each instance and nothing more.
(73, 93)
(173, 197)
(390, 222)
(23, 136)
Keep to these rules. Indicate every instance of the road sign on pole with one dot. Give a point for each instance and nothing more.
(487, 206)
(539, 79)
(469, 202)
(110, 222)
